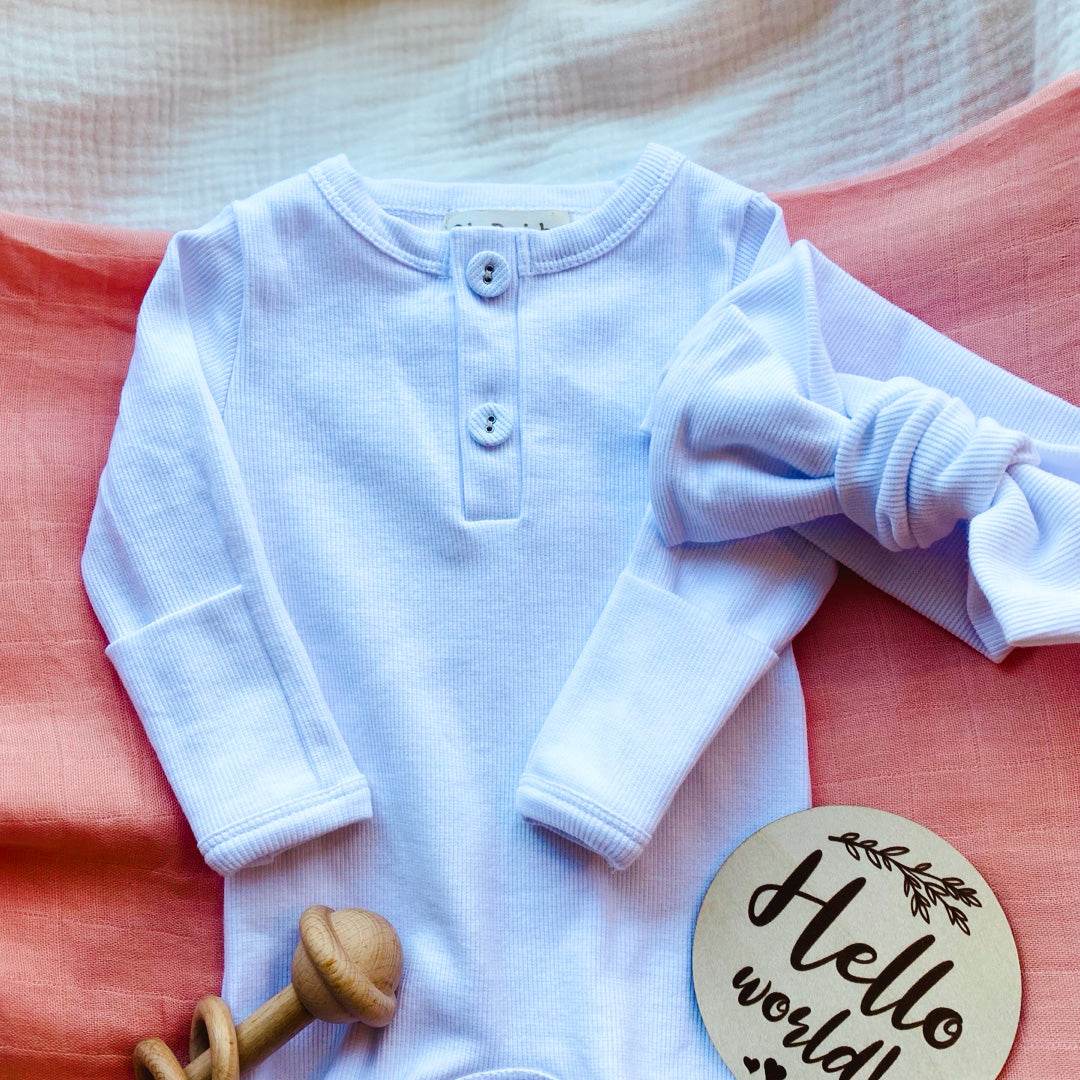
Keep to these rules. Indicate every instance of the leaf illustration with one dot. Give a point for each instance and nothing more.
(924, 908)
(924, 889)
(957, 918)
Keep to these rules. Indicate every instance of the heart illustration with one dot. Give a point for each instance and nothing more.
(774, 1070)
(752, 1064)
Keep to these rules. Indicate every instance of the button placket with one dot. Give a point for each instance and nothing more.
(484, 271)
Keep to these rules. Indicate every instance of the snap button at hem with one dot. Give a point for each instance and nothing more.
(490, 424)
(487, 273)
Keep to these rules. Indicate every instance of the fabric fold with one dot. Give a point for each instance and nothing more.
(914, 461)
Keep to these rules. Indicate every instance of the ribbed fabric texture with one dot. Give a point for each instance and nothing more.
(332, 599)
(175, 566)
(767, 419)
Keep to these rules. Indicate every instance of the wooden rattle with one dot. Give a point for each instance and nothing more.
(347, 967)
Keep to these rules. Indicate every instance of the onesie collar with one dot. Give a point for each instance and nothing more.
(605, 211)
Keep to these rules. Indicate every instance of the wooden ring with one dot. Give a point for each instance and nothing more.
(213, 1029)
(153, 1060)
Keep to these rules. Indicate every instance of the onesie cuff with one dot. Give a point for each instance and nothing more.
(568, 814)
(241, 727)
(258, 841)
(654, 683)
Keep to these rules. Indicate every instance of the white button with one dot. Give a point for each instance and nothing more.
(490, 424)
(487, 273)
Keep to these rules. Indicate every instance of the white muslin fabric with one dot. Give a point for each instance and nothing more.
(155, 115)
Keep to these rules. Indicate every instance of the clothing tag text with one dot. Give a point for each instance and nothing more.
(508, 219)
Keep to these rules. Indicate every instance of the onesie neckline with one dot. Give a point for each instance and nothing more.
(610, 209)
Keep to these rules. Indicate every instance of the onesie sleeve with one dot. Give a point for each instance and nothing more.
(176, 573)
(685, 633)
(804, 416)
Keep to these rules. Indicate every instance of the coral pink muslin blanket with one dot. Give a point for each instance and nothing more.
(112, 922)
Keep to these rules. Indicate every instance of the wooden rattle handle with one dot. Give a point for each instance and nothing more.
(347, 967)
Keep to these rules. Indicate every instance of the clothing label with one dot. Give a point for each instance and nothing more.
(848, 943)
(508, 219)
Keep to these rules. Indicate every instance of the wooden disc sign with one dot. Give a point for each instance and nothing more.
(850, 943)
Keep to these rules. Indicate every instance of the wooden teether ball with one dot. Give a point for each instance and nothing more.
(346, 968)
